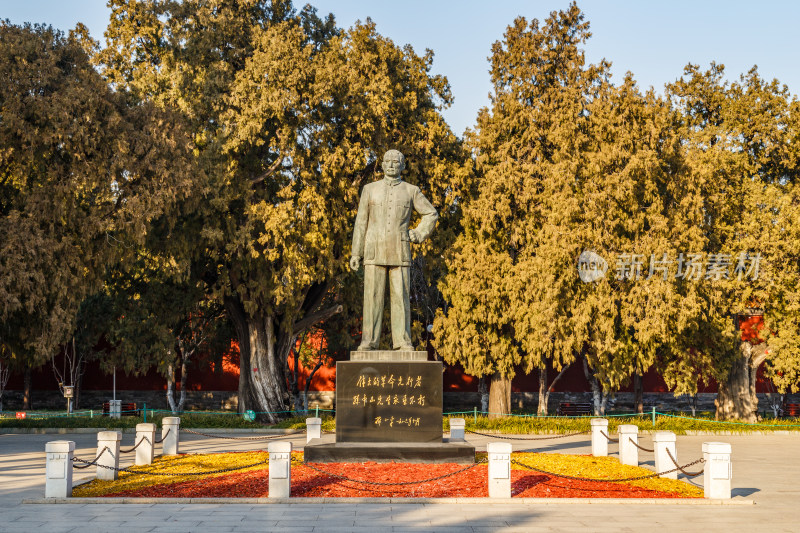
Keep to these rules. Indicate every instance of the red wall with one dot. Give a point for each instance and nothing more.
(205, 375)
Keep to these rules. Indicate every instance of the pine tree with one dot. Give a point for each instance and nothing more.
(82, 171)
(740, 150)
(506, 296)
(290, 116)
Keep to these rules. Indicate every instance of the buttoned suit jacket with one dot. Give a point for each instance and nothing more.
(381, 231)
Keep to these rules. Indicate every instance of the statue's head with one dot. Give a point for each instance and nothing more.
(393, 163)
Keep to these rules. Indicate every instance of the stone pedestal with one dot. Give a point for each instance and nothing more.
(599, 441)
(457, 429)
(313, 429)
(58, 467)
(499, 469)
(663, 446)
(170, 435)
(108, 462)
(628, 439)
(280, 469)
(145, 438)
(717, 471)
(389, 408)
(387, 452)
(387, 355)
(389, 401)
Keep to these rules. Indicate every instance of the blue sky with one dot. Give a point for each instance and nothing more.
(652, 39)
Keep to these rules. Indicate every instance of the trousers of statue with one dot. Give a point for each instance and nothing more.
(400, 300)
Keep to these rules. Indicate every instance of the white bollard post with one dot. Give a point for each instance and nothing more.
(114, 408)
(145, 451)
(664, 441)
(599, 441)
(718, 470)
(110, 458)
(280, 469)
(499, 469)
(457, 429)
(628, 438)
(170, 435)
(313, 429)
(58, 467)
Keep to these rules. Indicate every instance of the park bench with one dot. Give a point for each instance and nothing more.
(575, 408)
(126, 409)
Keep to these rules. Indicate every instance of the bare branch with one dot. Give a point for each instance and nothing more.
(305, 323)
(553, 384)
(760, 353)
(369, 170)
(271, 170)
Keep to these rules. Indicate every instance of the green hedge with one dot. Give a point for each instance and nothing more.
(679, 424)
(515, 424)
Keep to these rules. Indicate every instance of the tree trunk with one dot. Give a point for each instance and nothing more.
(4, 373)
(598, 395)
(317, 366)
(638, 391)
(544, 398)
(27, 386)
(499, 395)
(184, 380)
(542, 407)
(76, 401)
(263, 347)
(294, 380)
(483, 390)
(77, 377)
(171, 389)
(736, 399)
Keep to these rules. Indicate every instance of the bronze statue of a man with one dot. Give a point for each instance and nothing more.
(382, 239)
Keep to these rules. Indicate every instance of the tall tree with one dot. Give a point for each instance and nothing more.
(567, 163)
(740, 147)
(80, 170)
(148, 334)
(290, 116)
(503, 293)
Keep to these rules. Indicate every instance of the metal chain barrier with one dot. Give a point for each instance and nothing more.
(177, 474)
(386, 484)
(619, 480)
(137, 445)
(244, 438)
(603, 433)
(87, 464)
(159, 441)
(641, 448)
(526, 438)
(681, 468)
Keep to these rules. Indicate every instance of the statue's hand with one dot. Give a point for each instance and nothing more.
(413, 236)
(355, 263)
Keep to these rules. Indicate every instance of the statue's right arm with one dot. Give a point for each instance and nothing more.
(360, 229)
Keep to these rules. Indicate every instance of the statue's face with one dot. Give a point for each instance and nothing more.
(392, 164)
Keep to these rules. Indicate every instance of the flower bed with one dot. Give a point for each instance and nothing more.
(253, 482)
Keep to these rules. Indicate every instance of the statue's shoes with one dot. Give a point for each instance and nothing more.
(363, 349)
(406, 349)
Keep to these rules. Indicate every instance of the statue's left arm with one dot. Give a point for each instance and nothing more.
(429, 216)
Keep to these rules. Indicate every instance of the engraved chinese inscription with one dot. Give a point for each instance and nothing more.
(389, 401)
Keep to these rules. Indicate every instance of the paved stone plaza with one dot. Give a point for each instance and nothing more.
(766, 470)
